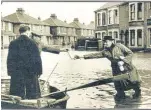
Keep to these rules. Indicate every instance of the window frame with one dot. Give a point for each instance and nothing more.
(109, 17)
(103, 18)
(115, 16)
(99, 19)
(139, 36)
(132, 11)
(132, 37)
(139, 11)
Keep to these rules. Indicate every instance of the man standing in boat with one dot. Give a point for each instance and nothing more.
(24, 65)
(124, 73)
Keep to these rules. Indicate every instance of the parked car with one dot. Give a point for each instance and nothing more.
(88, 44)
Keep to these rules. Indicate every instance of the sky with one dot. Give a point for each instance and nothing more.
(64, 10)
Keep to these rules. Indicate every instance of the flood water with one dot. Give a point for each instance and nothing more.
(71, 73)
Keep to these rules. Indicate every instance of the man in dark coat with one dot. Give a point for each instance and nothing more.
(24, 65)
(124, 72)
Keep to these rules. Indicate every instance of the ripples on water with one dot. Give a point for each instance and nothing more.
(71, 73)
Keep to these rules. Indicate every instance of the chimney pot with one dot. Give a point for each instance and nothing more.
(20, 10)
(76, 19)
(53, 16)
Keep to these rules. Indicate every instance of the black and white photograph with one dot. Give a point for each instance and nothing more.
(76, 55)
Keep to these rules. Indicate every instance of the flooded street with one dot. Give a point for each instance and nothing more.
(71, 73)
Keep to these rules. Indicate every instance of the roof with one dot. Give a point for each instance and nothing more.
(91, 26)
(56, 22)
(78, 25)
(23, 18)
(4, 19)
(109, 4)
(37, 33)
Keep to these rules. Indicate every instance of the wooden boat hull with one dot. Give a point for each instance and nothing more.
(56, 101)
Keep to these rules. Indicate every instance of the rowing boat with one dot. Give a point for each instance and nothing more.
(15, 102)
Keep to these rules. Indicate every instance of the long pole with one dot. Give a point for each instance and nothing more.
(49, 76)
(95, 83)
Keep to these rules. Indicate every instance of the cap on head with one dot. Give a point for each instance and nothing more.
(23, 28)
(107, 38)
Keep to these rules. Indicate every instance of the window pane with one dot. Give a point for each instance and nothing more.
(139, 7)
(139, 11)
(109, 17)
(139, 37)
(132, 11)
(103, 34)
(115, 34)
(99, 18)
(132, 37)
(103, 19)
(110, 33)
(99, 35)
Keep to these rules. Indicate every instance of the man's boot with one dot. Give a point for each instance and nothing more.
(120, 95)
(137, 90)
(137, 93)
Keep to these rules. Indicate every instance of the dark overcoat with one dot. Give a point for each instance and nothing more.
(24, 65)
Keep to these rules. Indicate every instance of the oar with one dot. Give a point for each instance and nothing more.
(95, 83)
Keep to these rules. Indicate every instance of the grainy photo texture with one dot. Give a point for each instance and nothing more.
(75, 55)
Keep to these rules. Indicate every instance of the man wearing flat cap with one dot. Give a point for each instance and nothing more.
(24, 65)
(124, 72)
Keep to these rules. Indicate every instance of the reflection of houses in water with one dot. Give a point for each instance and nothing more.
(125, 21)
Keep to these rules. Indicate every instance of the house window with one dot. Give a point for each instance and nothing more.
(99, 35)
(139, 10)
(149, 5)
(58, 29)
(103, 19)
(115, 34)
(11, 38)
(132, 37)
(103, 34)
(110, 17)
(110, 33)
(115, 16)
(132, 11)
(99, 19)
(139, 37)
(9, 26)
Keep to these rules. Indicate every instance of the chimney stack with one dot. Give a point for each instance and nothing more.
(20, 10)
(39, 18)
(53, 16)
(76, 19)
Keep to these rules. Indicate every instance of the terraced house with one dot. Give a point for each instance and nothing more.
(7, 34)
(62, 32)
(126, 21)
(40, 28)
(83, 30)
